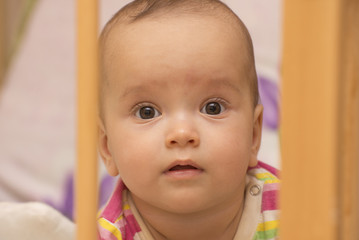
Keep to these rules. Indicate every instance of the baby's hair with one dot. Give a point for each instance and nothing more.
(141, 9)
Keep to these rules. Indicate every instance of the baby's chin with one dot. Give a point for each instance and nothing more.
(190, 204)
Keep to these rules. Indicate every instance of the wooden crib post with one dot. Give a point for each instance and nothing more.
(320, 120)
(86, 170)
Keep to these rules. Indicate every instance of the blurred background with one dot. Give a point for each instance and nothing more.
(38, 94)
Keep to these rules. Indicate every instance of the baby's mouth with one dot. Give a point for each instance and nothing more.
(182, 167)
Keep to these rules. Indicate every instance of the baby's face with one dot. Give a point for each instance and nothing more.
(179, 124)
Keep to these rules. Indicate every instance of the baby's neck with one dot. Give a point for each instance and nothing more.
(217, 223)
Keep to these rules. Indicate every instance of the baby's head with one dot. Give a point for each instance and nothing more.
(180, 119)
(154, 10)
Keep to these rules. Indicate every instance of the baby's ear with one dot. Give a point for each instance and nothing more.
(257, 134)
(105, 151)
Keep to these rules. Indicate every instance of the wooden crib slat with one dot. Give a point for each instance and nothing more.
(86, 170)
(319, 168)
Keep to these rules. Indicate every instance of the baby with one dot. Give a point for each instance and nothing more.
(181, 124)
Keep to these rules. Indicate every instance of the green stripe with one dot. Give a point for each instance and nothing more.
(266, 178)
(268, 234)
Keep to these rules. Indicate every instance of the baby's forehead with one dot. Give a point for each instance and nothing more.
(142, 11)
(124, 35)
(168, 37)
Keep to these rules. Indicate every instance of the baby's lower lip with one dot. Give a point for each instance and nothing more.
(184, 173)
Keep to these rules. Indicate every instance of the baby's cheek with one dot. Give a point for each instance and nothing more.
(135, 165)
(130, 175)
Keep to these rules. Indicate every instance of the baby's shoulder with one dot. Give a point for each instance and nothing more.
(268, 176)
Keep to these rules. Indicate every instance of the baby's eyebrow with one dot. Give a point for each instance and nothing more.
(216, 83)
(133, 89)
(140, 88)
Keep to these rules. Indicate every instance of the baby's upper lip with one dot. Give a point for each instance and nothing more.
(182, 165)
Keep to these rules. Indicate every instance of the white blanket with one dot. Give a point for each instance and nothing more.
(33, 221)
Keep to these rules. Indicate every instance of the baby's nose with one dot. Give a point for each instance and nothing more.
(182, 136)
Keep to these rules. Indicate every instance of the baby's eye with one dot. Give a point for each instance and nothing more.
(147, 112)
(212, 108)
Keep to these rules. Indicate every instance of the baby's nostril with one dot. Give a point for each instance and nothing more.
(182, 142)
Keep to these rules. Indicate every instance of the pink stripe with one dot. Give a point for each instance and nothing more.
(130, 218)
(269, 168)
(269, 200)
(114, 207)
(271, 187)
(132, 227)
